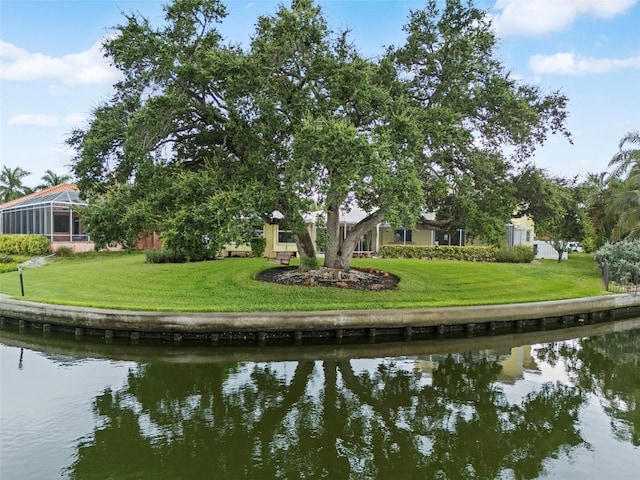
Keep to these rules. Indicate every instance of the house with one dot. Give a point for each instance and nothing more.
(51, 212)
(279, 239)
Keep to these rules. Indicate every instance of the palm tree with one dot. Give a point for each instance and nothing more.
(628, 156)
(11, 186)
(51, 179)
(598, 188)
(626, 202)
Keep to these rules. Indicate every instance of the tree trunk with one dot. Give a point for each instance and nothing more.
(304, 242)
(307, 251)
(332, 249)
(339, 253)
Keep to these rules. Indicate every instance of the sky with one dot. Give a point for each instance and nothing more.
(53, 73)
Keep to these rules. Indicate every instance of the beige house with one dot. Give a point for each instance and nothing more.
(279, 239)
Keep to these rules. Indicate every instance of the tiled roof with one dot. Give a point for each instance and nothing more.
(51, 191)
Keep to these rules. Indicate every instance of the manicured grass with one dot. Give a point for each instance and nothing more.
(125, 281)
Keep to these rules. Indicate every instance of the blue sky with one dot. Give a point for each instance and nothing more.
(52, 72)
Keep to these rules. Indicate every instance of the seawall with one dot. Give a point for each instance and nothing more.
(298, 325)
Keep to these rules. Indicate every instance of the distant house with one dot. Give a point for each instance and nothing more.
(51, 212)
(519, 232)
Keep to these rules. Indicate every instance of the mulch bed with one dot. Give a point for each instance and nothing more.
(353, 279)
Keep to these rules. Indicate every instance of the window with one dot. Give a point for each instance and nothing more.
(400, 235)
(285, 236)
(528, 236)
(61, 223)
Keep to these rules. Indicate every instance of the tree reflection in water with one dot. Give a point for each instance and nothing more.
(607, 366)
(326, 420)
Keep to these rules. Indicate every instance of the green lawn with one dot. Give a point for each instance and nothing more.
(125, 281)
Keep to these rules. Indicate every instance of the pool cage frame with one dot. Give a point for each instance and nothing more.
(51, 215)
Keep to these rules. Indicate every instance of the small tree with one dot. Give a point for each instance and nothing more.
(555, 205)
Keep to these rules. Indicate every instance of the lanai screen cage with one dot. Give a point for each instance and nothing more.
(51, 215)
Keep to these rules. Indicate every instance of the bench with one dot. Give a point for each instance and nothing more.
(282, 258)
(238, 253)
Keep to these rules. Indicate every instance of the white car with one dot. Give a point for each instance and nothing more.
(574, 247)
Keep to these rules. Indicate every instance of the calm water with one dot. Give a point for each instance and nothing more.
(559, 404)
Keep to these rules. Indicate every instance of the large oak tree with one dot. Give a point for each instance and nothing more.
(299, 119)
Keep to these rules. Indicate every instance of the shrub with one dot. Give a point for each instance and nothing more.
(6, 259)
(24, 244)
(515, 254)
(308, 263)
(64, 252)
(589, 245)
(622, 259)
(164, 256)
(258, 245)
(432, 252)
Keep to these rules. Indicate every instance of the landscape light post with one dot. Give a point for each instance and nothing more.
(21, 282)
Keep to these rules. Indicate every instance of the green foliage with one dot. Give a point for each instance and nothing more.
(300, 116)
(24, 244)
(6, 258)
(623, 260)
(203, 217)
(194, 216)
(164, 256)
(589, 245)
(515, 254)
(9, 263)
(11, 186)
(258, 245)
(64, 252)
(556, 205)
(429, 252)
(115, 217)
(308, 263)
(51, 179)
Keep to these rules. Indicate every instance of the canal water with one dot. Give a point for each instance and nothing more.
(561, 404)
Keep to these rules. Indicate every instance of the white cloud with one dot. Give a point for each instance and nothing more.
(572, 64)
(536, 17)
(35, 120)
(73, 119)
(88, 67)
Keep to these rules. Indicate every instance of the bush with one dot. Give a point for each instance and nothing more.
(589, 245)
(64, 252)
(432, 252)
(164, 256)
(6, 259)
(515, 254)
(308, 263)
(24, 244)
(258, 245)
(622, 260)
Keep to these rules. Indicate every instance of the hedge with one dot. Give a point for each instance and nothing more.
(516, 254)
(432, 252)
(24, 244)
